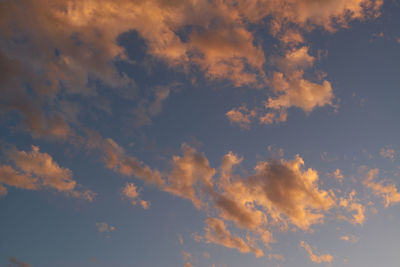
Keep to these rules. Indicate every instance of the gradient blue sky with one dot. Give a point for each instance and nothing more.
(116, 117)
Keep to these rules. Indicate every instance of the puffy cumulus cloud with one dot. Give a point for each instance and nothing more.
(34, 170)
(352, 204)
(329, 15)
(241, 116)
(103, 227)
(60, 47)
(187, 172)
(115, 158)
(286, 190)
(388, 152)
(14, 262)
(388, 192)
(130, 192)
(292, 89)
(227, 53)
(316, 258)
(217, 233)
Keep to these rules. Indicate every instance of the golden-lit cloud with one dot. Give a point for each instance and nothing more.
(241, 116)
(350, 238)
(188, 171)
(292, 89)
(352, 205)
(314, 257)
(115, 158)
(217, 233)
(288, 191)
(388, 192)
(35, 170)
(130, 192)
(337, 174)
(103, 227)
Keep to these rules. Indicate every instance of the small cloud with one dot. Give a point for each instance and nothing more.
(130, 192)
(337, 174)
(103, 227)
(277, 257)
(316, 258)
(14, 262)
(350, 238)
(388, 152)
(241, 116)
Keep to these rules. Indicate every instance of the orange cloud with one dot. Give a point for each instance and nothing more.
(292, 89)
(115, 158)
(103, 227)
(351, 204)
(388, 192)
(34, 170)
(316, 258)
(187, 172)
(241, 116)
(130, 191)
(217, 233)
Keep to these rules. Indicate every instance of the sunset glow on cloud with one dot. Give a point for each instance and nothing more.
(199, 133)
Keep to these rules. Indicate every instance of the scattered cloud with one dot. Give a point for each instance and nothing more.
(352, 204)
(14, 262)
(337, 174)
(277, 257)
(217, 233)
(35, 170)
(241, 116)
(103, 227)
(350, 238)
(187, 172)
(388, 152)
(130, 192)
(316, 258)
(388, 192)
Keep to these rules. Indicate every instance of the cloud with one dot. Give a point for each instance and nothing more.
(277, 257)
(115, 158)
(316, 258)
(286, 190)
(14, 262)
(217, 233)
(351, 204)
(241, 116)
(388, 192)
(292, 89)
(34, 170)
(350, 238)
(188, 171)
(388, 152)
(103, 227)
(337, 174)
(130, 192)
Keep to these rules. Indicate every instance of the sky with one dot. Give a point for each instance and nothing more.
(198, 133)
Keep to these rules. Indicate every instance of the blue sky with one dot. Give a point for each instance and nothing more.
(199, 133)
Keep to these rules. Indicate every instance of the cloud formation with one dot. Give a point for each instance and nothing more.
(35, 170)
(388, 192)
(130, 192)
(313, 257)
(103, 227)
(217, 233)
